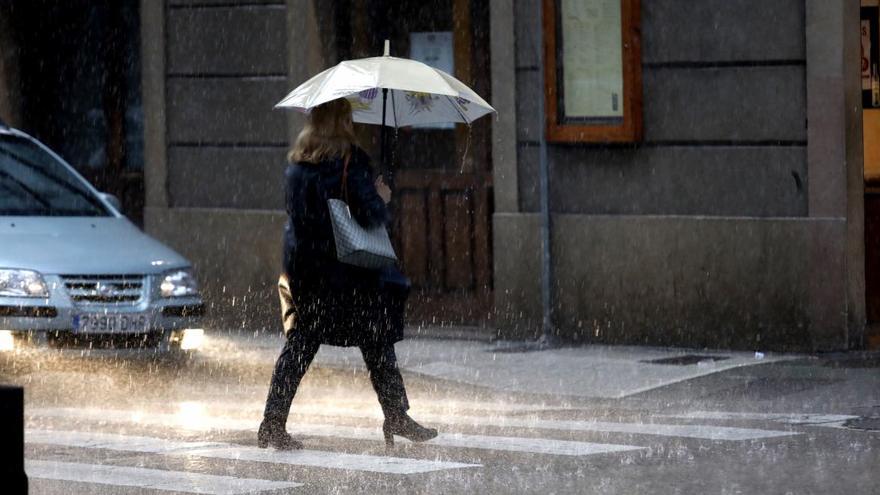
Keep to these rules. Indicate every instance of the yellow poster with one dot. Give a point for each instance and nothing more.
(592, 59)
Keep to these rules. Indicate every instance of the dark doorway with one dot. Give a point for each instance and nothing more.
(79, 78)
(442, 175)
(872, 262)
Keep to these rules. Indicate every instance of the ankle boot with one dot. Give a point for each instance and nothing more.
(404, 426)
(273, 433)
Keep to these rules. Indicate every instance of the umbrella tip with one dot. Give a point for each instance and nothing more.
(387, 48)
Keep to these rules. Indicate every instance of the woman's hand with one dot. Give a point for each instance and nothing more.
(383, 189)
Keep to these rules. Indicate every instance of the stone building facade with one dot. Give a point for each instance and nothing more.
(737, 221)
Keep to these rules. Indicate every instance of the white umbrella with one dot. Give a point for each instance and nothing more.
(414, 93)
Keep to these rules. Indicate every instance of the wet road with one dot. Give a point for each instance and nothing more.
(101, 423)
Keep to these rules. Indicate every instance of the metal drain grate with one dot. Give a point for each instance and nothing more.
(685, 360)
(866, 422)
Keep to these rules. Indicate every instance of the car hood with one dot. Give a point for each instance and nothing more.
(82, 246)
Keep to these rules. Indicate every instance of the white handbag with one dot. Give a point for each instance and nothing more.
(356, 245)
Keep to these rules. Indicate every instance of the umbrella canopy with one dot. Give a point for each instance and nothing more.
(417, 93)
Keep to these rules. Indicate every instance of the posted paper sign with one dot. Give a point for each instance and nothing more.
(434, 49)
(592, 59)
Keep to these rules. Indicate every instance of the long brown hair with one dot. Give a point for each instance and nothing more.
(328, 133)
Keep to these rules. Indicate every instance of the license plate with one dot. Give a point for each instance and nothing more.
(110, 323)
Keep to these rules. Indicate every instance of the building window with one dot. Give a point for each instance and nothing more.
(593, 77)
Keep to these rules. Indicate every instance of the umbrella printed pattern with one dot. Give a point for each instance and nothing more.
(419, 102)
(363, 101)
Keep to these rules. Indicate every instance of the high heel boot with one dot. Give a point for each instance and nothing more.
(273, 433)
(404, 426)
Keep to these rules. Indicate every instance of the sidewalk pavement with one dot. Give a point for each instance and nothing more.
(594, 371)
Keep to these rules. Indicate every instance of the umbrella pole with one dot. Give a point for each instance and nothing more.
(382, 141)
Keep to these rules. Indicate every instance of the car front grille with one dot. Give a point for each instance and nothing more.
(104, 289)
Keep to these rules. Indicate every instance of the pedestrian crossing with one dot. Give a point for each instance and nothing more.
(450, 452)
(480, 442)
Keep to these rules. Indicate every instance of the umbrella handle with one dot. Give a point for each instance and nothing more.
(383, 145)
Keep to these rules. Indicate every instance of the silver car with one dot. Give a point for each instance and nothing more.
(73, 270)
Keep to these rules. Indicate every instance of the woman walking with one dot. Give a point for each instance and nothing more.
(325, 301)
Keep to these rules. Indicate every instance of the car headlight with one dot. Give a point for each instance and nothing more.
(22, 283)
(179, 283)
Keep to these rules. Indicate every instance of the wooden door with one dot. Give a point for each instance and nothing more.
(442, 233)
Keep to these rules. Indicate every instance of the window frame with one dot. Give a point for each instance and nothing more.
(625, 130)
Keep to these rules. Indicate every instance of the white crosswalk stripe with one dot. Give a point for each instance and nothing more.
(214, 450)
(786, 418)
(704, 432)
(331, 460)
(156, 479)
(532, 445)
(483, 442)
(111, 441)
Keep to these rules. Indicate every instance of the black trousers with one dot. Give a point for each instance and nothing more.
(297, 355)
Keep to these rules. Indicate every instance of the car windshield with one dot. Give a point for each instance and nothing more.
(34, 183)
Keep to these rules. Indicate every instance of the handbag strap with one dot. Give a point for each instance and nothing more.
(345, 177)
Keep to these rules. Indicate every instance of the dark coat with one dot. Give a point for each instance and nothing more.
(337, 303)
